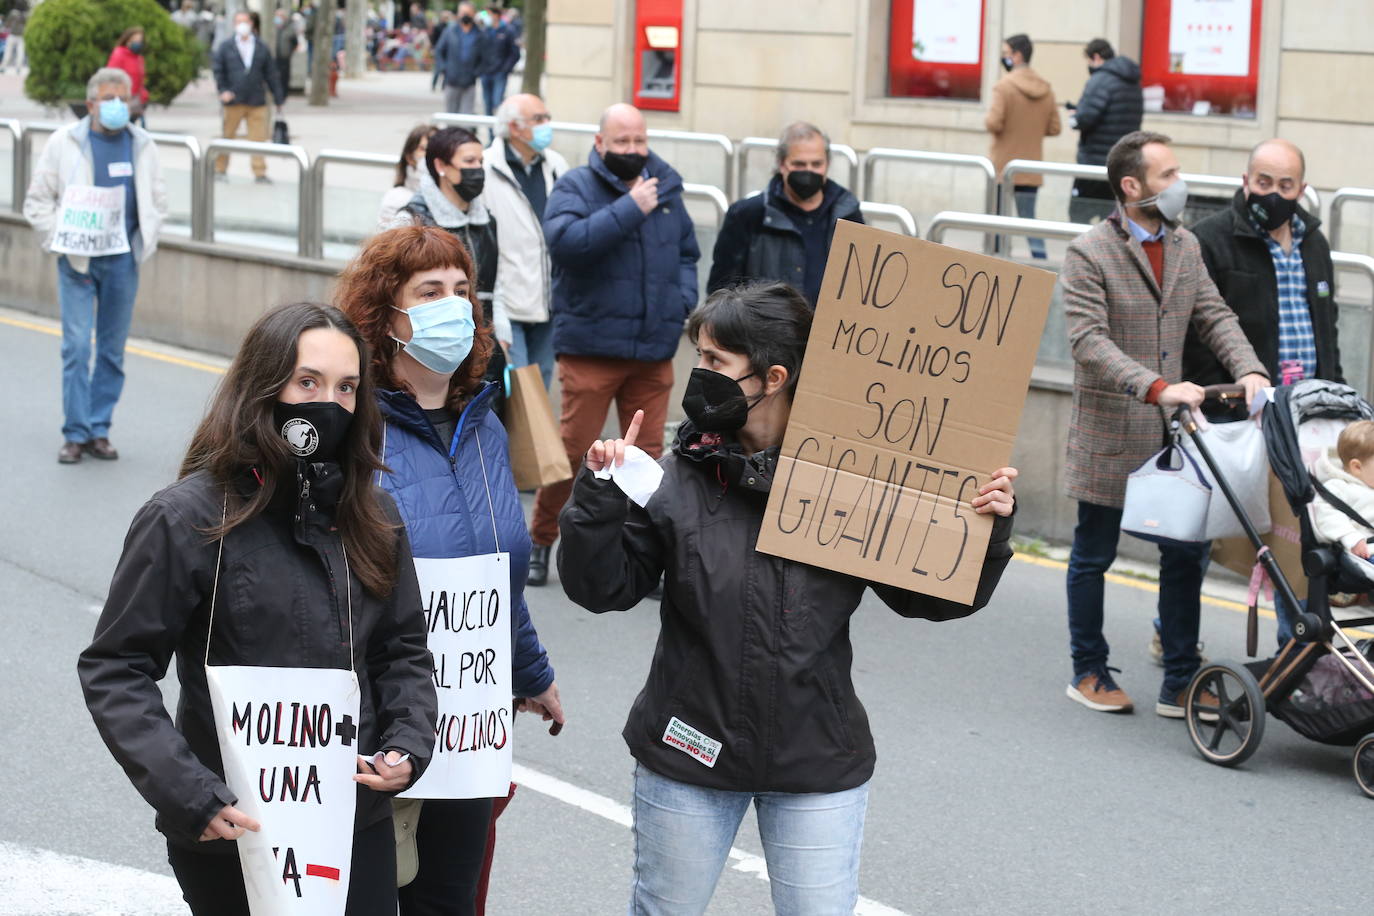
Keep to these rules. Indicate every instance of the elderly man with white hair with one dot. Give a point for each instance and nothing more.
(101, 236)
(521, 169)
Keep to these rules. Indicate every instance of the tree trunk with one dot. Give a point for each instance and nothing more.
(269, 28)
(534, 46)
(355, 41)
(322, 34)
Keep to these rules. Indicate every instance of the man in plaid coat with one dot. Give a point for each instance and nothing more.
(1132, 287)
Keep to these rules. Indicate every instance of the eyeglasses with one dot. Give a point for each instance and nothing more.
(538, 119)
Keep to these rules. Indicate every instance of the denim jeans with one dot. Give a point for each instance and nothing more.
(1025, 208)
(101, 300)
(1181, 568)
(532, 343)
(493, 91)
(683, 834)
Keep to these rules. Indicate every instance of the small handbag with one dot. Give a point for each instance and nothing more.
(280, 134)
(1167, 498)
(405, 820)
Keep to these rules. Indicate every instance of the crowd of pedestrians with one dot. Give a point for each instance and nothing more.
(500, 254)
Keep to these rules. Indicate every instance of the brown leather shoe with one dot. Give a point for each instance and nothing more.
(1101, 694)
(102, 449)
(70, 452)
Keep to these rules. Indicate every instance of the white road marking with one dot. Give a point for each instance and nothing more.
(38, 881)
(620, 814)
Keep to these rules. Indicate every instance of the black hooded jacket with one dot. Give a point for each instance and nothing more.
(281, 601)
(754, 650)
(1111, 107)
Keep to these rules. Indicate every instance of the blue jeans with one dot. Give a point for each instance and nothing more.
(532, 343)
(101, 300)
(683, 835)
(1025, 208)
(1181, 568)
(493, 91)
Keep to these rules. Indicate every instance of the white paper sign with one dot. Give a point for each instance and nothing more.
(1209, 37)
(289, 741)
(90, 222)
(468, 614)
(946, 31)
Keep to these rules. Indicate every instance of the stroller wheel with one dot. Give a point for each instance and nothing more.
(1364, 765)
(1224, 708)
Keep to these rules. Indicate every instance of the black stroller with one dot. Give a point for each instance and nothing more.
(1321, 683)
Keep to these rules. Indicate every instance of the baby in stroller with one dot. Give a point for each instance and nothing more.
(1345, 488)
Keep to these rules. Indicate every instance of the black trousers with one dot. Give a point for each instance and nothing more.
(452, 843)
(212, 885)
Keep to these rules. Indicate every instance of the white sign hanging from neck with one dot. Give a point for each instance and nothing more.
(90, 222)
(468, 611)
(288, 737)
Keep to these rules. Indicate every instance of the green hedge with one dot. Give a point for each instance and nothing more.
(68, 40)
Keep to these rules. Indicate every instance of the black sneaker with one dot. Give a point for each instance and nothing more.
(539, 566)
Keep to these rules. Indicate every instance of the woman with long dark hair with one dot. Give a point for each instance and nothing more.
(749, 700)
(410, 292)
(273, 549)
(408, 170)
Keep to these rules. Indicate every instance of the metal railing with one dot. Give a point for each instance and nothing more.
(23, 156)
(203, 222)
(1342, 197)
(981, 164)
(1360, 264)
(313, 245)
(17, 188)
(709, 193)
(891, 211)
(449, 119)
(715, 141)
(842, 150)
(1006, 182)
(192, 146)
(1002, 225)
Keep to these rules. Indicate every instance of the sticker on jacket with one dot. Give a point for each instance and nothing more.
(682, 736)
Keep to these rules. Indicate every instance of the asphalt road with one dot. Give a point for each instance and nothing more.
(993, 792)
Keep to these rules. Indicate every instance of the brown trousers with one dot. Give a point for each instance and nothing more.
(257, 118)
(589, 384)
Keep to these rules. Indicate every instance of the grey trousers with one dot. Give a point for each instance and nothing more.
(460, 99)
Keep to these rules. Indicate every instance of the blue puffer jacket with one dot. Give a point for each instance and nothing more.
(445, 506)
(623, 282)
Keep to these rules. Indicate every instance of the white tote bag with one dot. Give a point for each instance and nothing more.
(1238, 451)
(1167, 498)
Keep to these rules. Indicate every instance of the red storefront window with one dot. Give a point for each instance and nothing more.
(1201, 56)
(936, 49)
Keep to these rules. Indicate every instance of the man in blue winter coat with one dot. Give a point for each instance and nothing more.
(624, 259)
(500, 54)
(459, 55)
(1112, 105)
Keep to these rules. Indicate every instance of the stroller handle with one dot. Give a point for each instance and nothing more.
(1224, 394)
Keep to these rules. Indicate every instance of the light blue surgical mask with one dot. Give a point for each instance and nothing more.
(541, 136)
(440, 334)
(114, 114)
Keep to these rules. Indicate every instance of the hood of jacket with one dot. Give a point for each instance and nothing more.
(1029, 83)
(1327, 469)
(444, 211)
(669, 181)
(735, 466)
(1123, 68)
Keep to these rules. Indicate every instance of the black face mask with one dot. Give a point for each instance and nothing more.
(805, 184)
(1007, 64)
(715, 403)
(471, 183)
(313, 430)
(625, 166)
(1092, 69)
(465, 20)
(1270, 210)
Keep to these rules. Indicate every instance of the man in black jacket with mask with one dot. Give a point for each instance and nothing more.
(1112, 106)
(784, 232)
(1272, 265)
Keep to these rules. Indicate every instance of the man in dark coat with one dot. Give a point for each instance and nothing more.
(500, 54)
(624, 255)
(459, 55)
(1112, 106)
(784, 233)
(1272, 265)
(244, 75)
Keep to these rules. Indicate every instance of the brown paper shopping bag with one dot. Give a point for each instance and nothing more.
(536, 447)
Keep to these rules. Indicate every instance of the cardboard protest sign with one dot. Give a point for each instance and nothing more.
(288, 737)
(90, 222)
(468, 612)
(910, 396)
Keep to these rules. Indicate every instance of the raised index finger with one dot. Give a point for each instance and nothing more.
(632, 433)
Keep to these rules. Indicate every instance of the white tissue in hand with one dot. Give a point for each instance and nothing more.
(638, 478)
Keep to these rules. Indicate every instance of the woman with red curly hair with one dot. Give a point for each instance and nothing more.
(410, 292)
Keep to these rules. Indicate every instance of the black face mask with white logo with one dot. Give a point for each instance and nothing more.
(1270, 210)
(313, 430)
